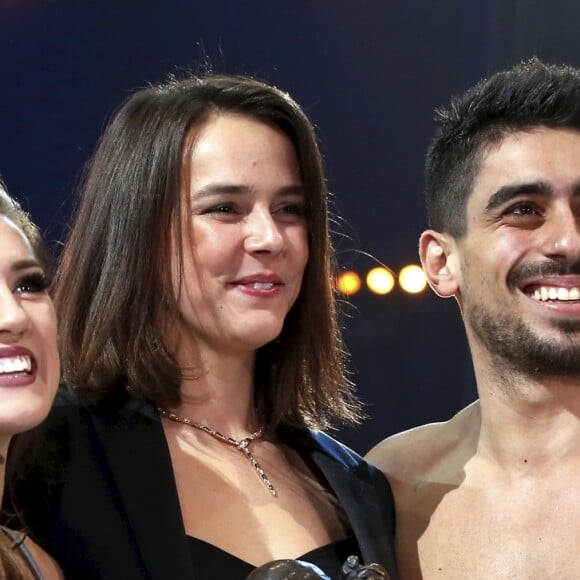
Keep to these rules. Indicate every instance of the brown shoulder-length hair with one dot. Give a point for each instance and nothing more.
(113, 288)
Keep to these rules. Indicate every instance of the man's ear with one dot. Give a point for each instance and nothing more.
(438, 253)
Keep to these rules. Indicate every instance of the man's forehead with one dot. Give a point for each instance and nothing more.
(540, 155)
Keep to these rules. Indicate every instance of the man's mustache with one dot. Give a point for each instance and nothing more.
(544, 269)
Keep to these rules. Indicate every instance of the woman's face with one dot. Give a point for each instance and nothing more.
(245, 247)
(29, 363)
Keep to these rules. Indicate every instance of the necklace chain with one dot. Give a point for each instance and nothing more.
(240, 444)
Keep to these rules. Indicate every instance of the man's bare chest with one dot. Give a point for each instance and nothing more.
(516, 532)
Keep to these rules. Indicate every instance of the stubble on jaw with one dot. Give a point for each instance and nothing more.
(517, 349)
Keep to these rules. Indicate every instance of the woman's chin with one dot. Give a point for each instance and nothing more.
(254, 338)
(19, 418)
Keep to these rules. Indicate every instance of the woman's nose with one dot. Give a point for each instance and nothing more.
(14, 320)
(263, 234)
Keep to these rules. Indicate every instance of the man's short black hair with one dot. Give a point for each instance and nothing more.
(531, 94)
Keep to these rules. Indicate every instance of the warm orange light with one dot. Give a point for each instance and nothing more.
(348, 283)
(380, 280)
(412, 279)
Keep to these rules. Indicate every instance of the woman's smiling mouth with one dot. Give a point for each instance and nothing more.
(15, 364)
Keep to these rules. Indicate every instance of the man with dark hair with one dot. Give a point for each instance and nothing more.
(493, 493)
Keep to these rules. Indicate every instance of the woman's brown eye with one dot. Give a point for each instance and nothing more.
(32, 284)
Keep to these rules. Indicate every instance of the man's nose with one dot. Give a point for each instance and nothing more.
(562, 235)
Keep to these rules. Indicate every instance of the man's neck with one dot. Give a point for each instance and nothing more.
(528, 423)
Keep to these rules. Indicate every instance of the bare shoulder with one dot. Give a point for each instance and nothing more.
(50, 569)
(423, 452)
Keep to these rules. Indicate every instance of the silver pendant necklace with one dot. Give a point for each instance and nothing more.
(241, 444)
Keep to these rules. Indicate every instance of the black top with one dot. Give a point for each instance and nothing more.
(99, 493)
(209, 561)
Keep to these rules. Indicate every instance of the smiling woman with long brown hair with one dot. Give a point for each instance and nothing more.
(200, 342)
(29, 364)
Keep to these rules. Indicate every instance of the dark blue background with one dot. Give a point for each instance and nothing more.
(368, 72)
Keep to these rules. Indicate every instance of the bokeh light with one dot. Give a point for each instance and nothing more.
(412, 279)
(348, 282)
(380, 280)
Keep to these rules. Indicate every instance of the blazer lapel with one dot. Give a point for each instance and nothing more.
(368, 504)
(140, 464)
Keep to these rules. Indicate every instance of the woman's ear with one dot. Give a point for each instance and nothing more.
(439, 260)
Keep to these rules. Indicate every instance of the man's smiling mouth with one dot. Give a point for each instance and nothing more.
(561, 294)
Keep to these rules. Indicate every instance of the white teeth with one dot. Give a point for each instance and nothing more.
(262, 285)
(17, 364)
(562, 294)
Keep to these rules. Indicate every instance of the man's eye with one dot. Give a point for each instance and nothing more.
(523, 210)
(32, 284)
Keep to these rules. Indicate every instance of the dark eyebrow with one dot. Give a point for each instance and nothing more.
(508, 192)
(25, 264)
(220, 188)
(292, 190)
(223, 188)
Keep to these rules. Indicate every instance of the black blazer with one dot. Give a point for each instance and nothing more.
(100, 495)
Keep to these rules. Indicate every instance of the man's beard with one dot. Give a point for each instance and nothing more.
(514, 345)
